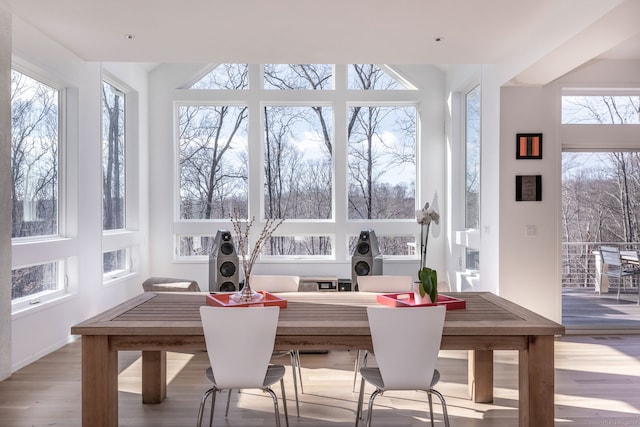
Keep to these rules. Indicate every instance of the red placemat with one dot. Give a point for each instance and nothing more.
(406, 299)
(224, 300)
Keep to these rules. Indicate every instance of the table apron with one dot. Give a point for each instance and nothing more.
(315, 342)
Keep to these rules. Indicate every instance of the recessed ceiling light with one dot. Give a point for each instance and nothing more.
(129, 36)
(439, 39)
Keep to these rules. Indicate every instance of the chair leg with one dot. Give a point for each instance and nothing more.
(213, 405)
(275, 405)
(203, 401)
(299, 364)
(226, 412)
(294, 367)
(356, 368)
(360, 401)
(284, 403)
(370, 408)
(430, 406)
(359, 365)
(445, 414)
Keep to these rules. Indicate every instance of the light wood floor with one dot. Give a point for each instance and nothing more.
(597, 383)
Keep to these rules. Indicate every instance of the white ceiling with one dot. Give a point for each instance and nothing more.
(523, 34)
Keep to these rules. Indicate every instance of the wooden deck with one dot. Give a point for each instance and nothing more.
(586, 311)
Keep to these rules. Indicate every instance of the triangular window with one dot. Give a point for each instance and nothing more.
(372, 77)
(225, 77)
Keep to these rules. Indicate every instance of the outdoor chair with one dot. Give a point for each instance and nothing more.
(406, 342)
(239, 344)
(615, 266)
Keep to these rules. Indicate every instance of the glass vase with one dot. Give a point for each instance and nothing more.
(246, 294)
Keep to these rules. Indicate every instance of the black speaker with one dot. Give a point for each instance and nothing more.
(223, 264)
(366, 259)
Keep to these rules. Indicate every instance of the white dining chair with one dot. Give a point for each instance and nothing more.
(239, 345)
(617, 267)
(378, 283)
(276, 284)
(406, 342)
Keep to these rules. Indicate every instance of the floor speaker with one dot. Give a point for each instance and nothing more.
(366, 259)
(223, 264)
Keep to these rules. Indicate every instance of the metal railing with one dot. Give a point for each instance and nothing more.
(579, 262)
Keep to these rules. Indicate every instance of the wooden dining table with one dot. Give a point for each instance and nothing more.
(155, 323)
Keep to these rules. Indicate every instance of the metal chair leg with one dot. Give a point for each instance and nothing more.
(275, 405)
(213, 405)
(430, 406)
(299, 371)
(370, 408)
(294, 367)
(445, 414)
(360, 402)
(226, 412)
(203, 401)
(284, 403)
(356, 368)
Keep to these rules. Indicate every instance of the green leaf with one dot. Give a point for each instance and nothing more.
(428, 283)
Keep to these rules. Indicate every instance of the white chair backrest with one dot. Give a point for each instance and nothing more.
(239, 343)
(610, 255)
(273, 283)
(382, 283)
(406, 342)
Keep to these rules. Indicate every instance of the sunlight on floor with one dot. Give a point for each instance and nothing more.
(129, 381)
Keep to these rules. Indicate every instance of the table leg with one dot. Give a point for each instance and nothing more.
(481, 375)
(536, 383)
(154, 376)
(99, 382)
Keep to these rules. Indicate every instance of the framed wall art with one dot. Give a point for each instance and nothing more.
(529, 146)
(528, 188)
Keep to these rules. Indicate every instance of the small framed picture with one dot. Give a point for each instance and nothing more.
(528, 188)
(529, 146)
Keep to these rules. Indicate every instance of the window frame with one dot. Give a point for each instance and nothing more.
(40, 250)
(339, 99)
(472, 233)
(125, 238)
(464, 237)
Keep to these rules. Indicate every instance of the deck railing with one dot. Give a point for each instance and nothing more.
(579, 262)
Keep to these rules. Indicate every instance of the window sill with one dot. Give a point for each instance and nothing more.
(26, 309)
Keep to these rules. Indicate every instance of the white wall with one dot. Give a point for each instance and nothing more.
(530, 267)
(46, 327)
(165, 78)
(5, 192)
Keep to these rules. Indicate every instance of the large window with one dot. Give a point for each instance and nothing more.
(119, 180)
(297, 150)
(329, 158)
(600, 178)
(382, 162)
(472, 176)
(34, 157)
(35, 192)
(113, 158)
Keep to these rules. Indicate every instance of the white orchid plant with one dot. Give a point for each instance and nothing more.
(428, 277)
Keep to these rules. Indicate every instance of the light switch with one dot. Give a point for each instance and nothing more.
(531, 230)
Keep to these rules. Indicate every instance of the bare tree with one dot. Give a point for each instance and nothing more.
(113, 158)
(34, 156)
